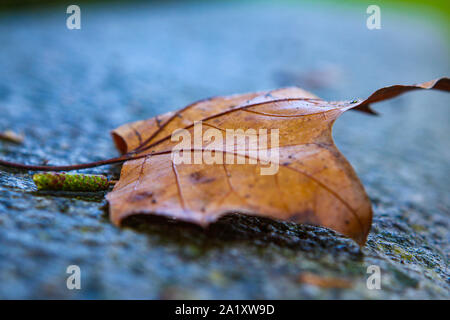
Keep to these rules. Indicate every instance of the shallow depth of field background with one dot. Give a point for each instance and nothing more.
(66, 89)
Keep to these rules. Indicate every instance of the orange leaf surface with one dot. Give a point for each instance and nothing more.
(313, 184)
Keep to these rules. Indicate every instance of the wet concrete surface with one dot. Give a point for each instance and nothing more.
(65, 90)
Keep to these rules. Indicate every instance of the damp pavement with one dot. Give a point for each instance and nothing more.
(66, 89)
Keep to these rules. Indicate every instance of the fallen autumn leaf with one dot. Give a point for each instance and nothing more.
(314, 183)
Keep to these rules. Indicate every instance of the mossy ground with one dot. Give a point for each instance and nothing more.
(67, 89)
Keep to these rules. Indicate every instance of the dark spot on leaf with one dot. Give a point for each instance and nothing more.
(141, 196)
(199, 177)
(307, 216)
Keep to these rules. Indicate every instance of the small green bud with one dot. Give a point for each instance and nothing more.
(70, 182)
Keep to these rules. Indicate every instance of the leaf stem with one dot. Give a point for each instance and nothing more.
(22, 166)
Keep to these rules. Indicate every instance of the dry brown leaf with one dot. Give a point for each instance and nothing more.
(315, 184)
(11, 136)
(324, 282)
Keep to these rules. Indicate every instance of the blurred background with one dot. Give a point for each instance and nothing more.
(64, 90)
